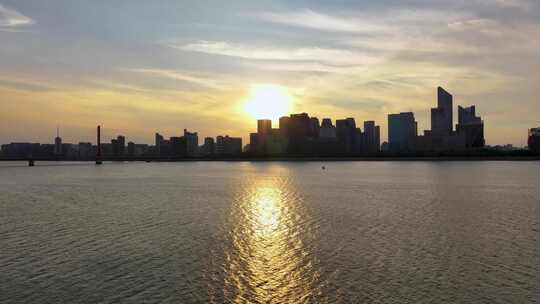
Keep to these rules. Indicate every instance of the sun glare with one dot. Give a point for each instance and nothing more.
(268, 102)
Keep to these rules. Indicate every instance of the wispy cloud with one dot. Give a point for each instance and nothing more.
(10, 18)
(24, 85)
(329, 56)
(176, 75)
(523, 4)
(315, 20)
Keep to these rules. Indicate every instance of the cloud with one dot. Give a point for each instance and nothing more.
(200, 81)
(24, 85)
(314, 20)
(329, 56)
(523, 4)
(11, 18)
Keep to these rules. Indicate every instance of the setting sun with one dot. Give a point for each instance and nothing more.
(268, 102)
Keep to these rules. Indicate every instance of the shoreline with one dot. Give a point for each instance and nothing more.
(303, 159)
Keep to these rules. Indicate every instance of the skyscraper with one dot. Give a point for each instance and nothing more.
(209, 146)
(327, 132)
(118, 145)
(402, 131)
(57, 143)
(284, 123)
(297, 131)
(468, 116)
(177, 146)
(346, 133)
(470, 127)
(121, 144)
(260, 141)
(372, 141)
(534, 140)
(228, 146)
(264, 126)
(158, 143)
(192, 143)
(442, 116)
(314, 127)
(131, 149)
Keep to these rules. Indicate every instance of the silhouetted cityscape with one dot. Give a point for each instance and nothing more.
(297, 135)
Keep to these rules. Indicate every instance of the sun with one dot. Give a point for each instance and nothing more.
(268, 102)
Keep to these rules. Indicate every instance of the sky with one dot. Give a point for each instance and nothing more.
(139, 67)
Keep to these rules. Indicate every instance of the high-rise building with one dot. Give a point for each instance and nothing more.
(402, 131)
(131, 149)
(118, 145)
(260, 141)
(470, 128)
(442, 116)
(314, 127)
(177, 146)
(121, 144)
(158, 143)
(268, 141)
(228, 146)
(534, 140)
(377, 138)
(254, 143)
(284, 123)
(85, 150)
(297, 133)
(372, 141)
(114, 147)
(468, 116)
(347, 135)
(192, 143)
(57, 143)
(264, 126)
(208, 147)
(327, 132)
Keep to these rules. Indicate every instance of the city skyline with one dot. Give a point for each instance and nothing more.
(468, 132)
(300, 135)
(136, 67)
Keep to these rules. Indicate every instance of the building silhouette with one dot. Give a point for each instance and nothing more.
(118, 145)
(402, 132)
(192, 143)
(86, 150)
(348, 136)
(208, 148)
(534, 140)
(327, 132)
(297, 129)
(158, 142)
(228, 146)
(57, 143)
(297, 135)
(469, 132)
(442, 116)
(300, 134)
(177, 147)
(470, 127)
(372, 138)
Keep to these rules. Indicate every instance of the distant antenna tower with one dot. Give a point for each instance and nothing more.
(98, 152)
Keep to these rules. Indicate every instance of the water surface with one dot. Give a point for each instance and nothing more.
(240, 232)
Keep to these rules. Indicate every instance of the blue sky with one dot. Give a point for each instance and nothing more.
(143, 66)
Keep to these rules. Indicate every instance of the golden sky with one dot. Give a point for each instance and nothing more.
(139, 67)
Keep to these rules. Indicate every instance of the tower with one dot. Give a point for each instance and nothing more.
(442, 115)
(98, 152)
(58, 143)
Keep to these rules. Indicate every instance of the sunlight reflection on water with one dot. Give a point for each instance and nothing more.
(269, 261)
